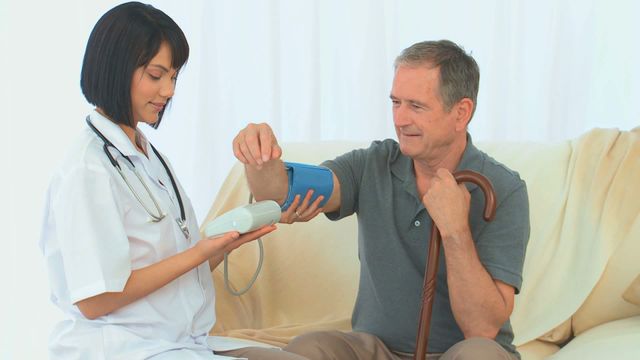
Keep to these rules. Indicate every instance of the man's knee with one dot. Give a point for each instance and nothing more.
(477, 348)
(314, 345)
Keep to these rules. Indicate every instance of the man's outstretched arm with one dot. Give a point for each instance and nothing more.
(256, 146)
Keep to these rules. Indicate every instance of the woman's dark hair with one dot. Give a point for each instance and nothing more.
(124, 39)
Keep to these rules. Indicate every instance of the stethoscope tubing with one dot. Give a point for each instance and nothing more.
(154, 217)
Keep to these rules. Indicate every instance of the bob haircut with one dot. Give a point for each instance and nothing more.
(125, 38)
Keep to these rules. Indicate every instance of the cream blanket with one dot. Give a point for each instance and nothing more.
(584, 199)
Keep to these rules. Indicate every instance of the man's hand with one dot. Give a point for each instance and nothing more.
(257, 148)
(448, 203)
(256, 144)
(302, 212)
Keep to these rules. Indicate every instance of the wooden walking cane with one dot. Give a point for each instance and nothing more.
(429, 287)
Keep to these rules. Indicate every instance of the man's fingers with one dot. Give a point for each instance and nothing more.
(276, 152)
(244, 148)
(256, 144)
(238, 153)
(305, 203)
(312, 215)
(445, 174)
(252, 139)
(313, 208)
(464, 190)
(294, 205)
(287, 217)
(266, 143)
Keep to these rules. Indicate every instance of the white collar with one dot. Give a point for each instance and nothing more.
(116, 135)
(144, 142)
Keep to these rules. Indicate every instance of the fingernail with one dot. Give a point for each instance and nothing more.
(265, 158)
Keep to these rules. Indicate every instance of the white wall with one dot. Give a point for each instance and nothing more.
(315, 70)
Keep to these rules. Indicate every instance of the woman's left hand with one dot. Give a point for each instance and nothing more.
(218, 245)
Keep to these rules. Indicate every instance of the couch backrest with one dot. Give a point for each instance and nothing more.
(577, 191)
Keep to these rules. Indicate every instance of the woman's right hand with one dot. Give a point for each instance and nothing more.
(217, 246)
(256, 144)
(146, 280)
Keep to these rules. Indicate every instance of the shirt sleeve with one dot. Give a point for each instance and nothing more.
(91, 234)
(349, 169)
(503, 242)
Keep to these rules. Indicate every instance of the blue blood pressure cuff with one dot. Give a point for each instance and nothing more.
(303, 177)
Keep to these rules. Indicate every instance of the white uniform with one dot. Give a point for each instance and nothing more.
(95, 233)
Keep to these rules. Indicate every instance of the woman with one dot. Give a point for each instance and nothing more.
(126, 263)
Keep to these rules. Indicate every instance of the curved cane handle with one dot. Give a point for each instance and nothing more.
(429, 286)
(484, 184)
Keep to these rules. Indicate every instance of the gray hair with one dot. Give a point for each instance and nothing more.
(459, 72)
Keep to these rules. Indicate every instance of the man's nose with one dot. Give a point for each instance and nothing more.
(400, 116)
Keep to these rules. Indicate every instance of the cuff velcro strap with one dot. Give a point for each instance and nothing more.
(303, 177)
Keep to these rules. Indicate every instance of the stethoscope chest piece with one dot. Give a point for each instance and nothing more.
(184, 227)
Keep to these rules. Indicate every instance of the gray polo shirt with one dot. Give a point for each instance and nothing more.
(379, 185)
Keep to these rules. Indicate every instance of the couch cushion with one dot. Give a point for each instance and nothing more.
(618, 339)
(558, 335)
(537, 350)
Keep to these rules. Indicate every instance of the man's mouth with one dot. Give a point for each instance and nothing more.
(409, 134)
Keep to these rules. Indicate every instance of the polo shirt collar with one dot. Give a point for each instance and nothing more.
(472, 159)
(402, 166)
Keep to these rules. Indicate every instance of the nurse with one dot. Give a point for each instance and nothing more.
(126, 263)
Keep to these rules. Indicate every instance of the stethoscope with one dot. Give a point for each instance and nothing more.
(155, 217)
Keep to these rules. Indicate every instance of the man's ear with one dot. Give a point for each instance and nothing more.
(464, 110)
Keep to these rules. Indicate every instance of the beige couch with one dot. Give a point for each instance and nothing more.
(581, 291)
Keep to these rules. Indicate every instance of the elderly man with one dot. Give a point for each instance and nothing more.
(398, 189)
